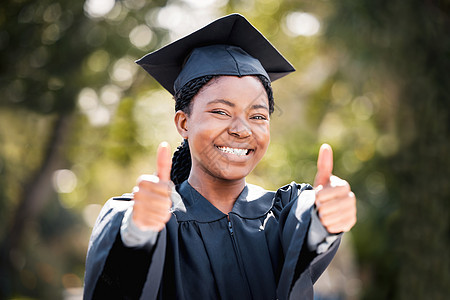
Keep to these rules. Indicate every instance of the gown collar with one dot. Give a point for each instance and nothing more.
(253, 202)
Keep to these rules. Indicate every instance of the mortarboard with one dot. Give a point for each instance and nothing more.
(228, 46)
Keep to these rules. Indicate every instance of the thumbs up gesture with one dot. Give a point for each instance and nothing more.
(152, 194)
(335, 201)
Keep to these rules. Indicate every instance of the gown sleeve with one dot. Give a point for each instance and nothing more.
(114, 271)
(301, 267)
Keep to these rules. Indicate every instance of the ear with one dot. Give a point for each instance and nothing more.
(181, 120)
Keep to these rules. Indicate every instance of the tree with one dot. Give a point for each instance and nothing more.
(400, 54)
(50, 51)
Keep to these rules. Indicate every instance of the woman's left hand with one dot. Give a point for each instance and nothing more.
(335, 202)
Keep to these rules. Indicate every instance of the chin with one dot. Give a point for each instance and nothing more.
(232, 173)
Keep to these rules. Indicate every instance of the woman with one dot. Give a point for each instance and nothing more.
(212, 235)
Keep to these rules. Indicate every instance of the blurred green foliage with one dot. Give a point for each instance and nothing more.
(79, 123)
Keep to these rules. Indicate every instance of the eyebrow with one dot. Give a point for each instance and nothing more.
(231, 104)
(226, 102)
(258, 106)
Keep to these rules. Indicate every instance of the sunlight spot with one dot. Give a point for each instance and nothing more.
(64, 181)
(387, 145)
(141, 36)
(100, 116)
(110, 94)
(75, 293)
(177, 22)
(301, 23)
(123, 71)
(206, 3)
(98, 8)
(89, 103)
(51, 34)
(365, 152)
(52, 13)
(170, 17)
(134, 4)
(331, 129)
(55, 83)
(98, 61)
(87, 99)
(118, 13)
(362, 107)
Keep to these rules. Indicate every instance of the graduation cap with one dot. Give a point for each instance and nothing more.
(228, 46)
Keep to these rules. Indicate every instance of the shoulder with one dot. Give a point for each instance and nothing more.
(119, 203)
(294, 187)
(281, 197)
(113, 207)
(292, 191)
(255, 192)
(255, 201)
(124, 197)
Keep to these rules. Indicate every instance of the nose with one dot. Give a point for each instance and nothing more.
(240, 129)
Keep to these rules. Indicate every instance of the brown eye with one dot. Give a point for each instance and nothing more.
(219, 112)
(259, 117)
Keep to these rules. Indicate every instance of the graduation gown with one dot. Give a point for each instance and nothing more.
(258, 251)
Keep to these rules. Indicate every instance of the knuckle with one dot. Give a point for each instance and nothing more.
(326, 222)
(324, 213)
(333, 229)
(146, 185)
(137, 196)
(147, 178)
(168, 216)
(168, 204)
(346, 187)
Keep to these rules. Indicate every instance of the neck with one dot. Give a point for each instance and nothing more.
(220, 193)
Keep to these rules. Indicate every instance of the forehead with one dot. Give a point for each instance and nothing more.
(244, 92)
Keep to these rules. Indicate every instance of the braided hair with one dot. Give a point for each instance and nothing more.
(181, 160)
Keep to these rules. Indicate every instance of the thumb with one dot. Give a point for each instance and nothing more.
(324, 165)
(163, 161)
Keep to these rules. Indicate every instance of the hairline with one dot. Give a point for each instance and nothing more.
(214, 80)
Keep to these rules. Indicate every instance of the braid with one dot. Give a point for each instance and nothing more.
(181, 163)
(181, 160)
(268, 87)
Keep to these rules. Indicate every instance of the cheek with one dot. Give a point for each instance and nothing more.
(201, 137)
(262, 134)
(203, 133)
(206, 129)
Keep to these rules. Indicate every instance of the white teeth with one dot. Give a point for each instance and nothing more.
(235, 151)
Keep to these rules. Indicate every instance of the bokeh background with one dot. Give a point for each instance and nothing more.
(79, 122)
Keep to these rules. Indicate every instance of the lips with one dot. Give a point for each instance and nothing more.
(235, 151)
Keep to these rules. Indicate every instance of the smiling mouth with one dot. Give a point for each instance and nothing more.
(235, 151)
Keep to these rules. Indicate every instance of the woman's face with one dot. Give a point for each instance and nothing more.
(228, 128)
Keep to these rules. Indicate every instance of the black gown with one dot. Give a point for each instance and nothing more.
(257, 252)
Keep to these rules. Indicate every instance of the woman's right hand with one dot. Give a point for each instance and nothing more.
(151, 210)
